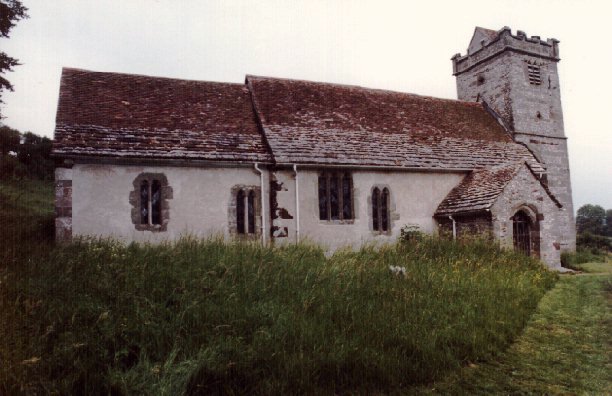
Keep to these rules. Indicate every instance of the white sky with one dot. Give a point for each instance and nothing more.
(397, 45)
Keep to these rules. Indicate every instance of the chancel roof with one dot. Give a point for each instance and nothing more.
(126, 115)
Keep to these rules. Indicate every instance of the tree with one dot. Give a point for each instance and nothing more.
(35, 154)
(608, 230)
(590, 218)
(9, 140)
(11, 11)
(31, 155)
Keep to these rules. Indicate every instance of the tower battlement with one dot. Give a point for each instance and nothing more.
(487, 43)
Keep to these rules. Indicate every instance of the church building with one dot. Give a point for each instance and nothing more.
(276, 160)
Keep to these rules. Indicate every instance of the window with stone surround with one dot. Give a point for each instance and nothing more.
(380, 209)
(335, 196)
(149, 200)
(244, 216)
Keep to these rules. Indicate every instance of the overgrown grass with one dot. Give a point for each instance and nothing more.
(26, 218)
(200, 317)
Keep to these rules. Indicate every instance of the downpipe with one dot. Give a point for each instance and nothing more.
(297, 205)
(263, 206)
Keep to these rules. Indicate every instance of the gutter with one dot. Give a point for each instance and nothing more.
(375, 167)
(152, 161)
(263, 206)
(297, 205)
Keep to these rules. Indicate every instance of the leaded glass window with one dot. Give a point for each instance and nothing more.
(335, 196)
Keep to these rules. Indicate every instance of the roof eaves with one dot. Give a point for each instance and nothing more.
(484, 206)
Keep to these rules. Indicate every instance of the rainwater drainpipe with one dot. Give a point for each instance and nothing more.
(454, 227)
(297, 205)
(263, 206)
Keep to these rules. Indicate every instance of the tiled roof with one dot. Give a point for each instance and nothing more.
(479, 190)
(302, 122)
(491, 34)
(319, 123)
(124, 115)
(363, 148)
(333, 107)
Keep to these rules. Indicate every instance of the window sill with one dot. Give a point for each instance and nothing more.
(337, 222)
(152, 227)
(382, 233)
(246, 237)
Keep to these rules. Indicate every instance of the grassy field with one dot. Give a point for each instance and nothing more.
(202, 317)
(566, 349)
(26, 218)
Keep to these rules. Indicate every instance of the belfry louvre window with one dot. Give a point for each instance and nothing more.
(535, 77)
(335, 196)
(380, 209)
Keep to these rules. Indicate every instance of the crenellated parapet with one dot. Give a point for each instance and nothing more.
(504, 40)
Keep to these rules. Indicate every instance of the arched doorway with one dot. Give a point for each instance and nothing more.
(526, 233)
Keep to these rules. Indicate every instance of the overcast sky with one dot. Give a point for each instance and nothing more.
(398, 45)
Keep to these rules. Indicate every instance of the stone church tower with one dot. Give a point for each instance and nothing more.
(517, 80)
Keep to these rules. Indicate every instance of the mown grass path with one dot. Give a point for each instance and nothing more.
(565, 349)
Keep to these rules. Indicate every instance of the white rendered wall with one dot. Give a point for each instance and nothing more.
(414, 199)
(201, 197)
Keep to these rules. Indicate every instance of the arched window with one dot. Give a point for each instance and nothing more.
(380, 209)
(335, 196)
(347, 200)
(149, 201)
(521, 232)
(251, 211)
(245, 221)
(376, 209)
(384, 210)
(240, 212)
(155, 202)
(144, 202)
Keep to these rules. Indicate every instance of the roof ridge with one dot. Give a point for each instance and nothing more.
(359, 87)
(76, 69)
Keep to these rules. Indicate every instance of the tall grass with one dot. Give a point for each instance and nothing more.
(26, 218)
(201, 317)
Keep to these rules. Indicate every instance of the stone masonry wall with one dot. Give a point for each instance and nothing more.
(525, 192)
(491, 83)
(533, 113)
(63, 204)
(474, 225)
(282, 206)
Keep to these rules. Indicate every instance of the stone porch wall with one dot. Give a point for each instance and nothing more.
(524, 191)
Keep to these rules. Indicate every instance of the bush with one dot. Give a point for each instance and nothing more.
(597, 244)
(409, 233)
(573, 260)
